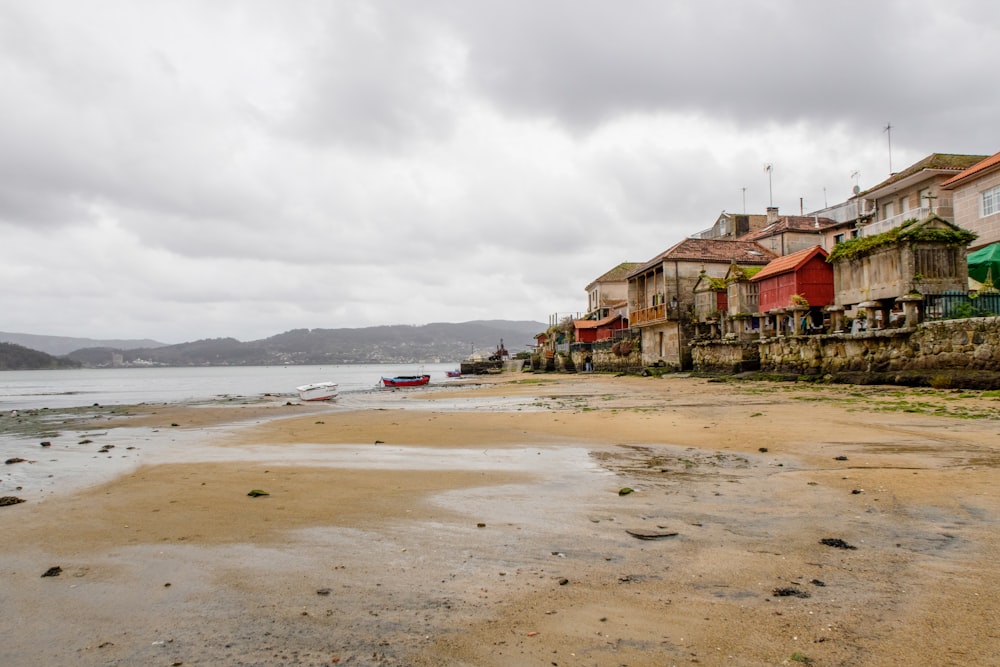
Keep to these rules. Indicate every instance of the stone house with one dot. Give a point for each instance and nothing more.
(661, 293)
(915, 192)
(975, 194)
(786, 234)
(733, 226)
(609, 293)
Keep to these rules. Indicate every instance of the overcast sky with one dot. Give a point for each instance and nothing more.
(187, 169)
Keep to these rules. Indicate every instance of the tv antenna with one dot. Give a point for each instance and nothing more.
(888, 131)
(770, 194)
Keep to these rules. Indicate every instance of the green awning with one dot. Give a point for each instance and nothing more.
(985, 263)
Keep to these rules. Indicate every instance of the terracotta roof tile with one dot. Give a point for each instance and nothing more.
(717, 251)
(596, 324)
(789, 263)
(976, 169)
(790, 223)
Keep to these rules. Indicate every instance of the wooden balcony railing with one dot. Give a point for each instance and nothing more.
(647, 315)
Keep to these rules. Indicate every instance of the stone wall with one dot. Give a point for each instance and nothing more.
(969, 344)
(606, 361)
(725, 356)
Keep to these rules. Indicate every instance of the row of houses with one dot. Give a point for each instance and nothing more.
(874, 261)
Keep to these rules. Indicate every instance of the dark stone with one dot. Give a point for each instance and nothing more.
(643, 534)
(836, 542)
(10, 500)
(789, 592)
(53, 571)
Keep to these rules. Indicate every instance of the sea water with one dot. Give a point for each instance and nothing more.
(23, 390)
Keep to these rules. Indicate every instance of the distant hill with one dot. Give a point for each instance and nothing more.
(18, 358)
(61, 345)
(439, 342)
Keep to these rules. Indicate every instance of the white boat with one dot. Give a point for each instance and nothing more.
(318, 391)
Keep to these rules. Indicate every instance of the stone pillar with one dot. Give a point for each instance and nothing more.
(780, 321)
(836, 318)
(739, 325)
(763, 318)
(797, 313)
(910, 310)
(870, 307)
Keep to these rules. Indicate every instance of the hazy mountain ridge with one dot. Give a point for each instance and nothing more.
(63, 345)
(427, 343)
(14, 357)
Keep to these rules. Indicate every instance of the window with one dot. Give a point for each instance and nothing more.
(887, 210)
(991, 201)
(839, 238)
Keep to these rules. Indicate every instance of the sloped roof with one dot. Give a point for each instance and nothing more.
(975, 170)
(596, 324)
(938, 162)
(790, 223)
(617, 274)
(716, 251)
(789, 263)
(737, 272)
(710, 282)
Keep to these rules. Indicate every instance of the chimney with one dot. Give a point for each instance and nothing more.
(772, 214)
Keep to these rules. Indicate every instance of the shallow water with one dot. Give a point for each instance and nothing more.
(20, 390)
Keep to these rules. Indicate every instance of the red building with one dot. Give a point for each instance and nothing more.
(591, 331)
(787, 280)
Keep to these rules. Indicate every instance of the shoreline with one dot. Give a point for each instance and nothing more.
(481, 524)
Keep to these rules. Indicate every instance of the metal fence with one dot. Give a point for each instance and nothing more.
(956, 305)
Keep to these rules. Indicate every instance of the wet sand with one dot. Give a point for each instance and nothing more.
(485, 525)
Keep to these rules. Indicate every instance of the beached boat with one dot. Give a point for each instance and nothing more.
(406, 380)
(318, 391)
(453, 374)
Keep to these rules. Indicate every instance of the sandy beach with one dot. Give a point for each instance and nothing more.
(520, 520)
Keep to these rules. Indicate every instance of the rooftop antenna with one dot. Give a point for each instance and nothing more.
(825, 205)
(744, 200)
(770, 194)
(888, 132)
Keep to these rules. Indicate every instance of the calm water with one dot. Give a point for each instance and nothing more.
(123, 386)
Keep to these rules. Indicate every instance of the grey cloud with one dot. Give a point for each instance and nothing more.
(373, 79)
(751, 62)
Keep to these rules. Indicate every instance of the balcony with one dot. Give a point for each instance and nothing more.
(943, 209)
(652, 314)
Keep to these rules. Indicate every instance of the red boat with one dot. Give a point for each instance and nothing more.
(453, 374)
(406, 380)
